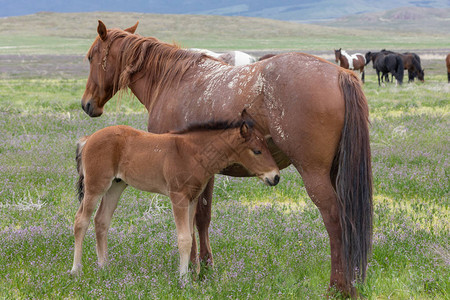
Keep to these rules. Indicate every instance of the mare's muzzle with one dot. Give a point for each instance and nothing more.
(90, 110)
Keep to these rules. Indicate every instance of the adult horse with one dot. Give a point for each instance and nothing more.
(386, 63)
(312, 113)
(352, 62)
(411, 62)
(447, 62)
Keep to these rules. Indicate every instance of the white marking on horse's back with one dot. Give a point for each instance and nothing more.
(241, 58)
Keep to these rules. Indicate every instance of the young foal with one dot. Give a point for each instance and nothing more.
(177, 164)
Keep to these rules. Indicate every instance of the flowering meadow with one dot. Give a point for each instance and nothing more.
(268, 242)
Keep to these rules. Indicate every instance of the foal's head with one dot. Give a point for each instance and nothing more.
(102, 81)
(255, 155)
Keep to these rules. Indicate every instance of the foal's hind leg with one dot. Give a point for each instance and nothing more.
(82, 219)
(103, 217)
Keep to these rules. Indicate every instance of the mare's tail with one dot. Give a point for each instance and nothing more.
(80, 183)
(352, 175)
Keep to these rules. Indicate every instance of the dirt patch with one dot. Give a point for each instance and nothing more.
(39, 66)
(76, 66)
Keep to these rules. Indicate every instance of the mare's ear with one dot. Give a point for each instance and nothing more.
(132, 29)
(101, 29)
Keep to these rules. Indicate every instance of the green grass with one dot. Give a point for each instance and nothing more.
(267, 242)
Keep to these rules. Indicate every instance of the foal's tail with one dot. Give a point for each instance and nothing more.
(80, 183)
(352, 175)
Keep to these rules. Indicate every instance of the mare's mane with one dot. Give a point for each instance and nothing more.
(212, 125)
(164, 63)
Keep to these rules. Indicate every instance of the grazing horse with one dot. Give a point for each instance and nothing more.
(411, 62)
(173, 164)
(352, 62)
(447, 62)
(312, 113)
(386, 63)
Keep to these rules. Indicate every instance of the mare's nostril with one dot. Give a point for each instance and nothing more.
(88, 106)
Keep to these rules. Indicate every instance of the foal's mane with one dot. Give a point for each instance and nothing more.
(212, 125)
(164, 64)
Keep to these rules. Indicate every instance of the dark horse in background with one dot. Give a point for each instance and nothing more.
(411, 62)
(386, 63)
(447, 62)
(355, 61)
(312, 113)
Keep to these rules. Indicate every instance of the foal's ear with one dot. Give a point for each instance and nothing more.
(245, 131)
(132, 29)
(101, 29)
(245, 115)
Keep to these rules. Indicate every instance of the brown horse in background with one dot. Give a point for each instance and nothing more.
(352, 62)
(173, 164)
(313, 114)
(447, 62)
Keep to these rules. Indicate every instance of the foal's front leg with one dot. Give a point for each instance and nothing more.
(183, 211)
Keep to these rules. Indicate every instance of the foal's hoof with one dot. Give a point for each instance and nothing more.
(75, 272)
(185, 281)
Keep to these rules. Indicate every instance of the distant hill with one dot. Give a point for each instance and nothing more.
(288, 10)
(405, 19)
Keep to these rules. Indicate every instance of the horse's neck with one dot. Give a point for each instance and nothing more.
(212, 150)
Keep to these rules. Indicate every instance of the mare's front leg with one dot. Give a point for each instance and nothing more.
(103, 218)
(183, 211)
(202, 221)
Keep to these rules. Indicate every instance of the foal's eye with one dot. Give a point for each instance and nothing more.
(256, 152)
(90, 59)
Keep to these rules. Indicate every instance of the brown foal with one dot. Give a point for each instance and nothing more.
(177, 164)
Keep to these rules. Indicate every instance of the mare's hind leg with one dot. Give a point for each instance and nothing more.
(202, 221)
(320, 190)
(103, 217)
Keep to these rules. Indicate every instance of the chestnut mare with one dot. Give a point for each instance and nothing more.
(173, 164)
(351, 62)
(312, 113)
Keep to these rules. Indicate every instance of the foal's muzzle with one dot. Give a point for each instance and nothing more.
(271, 178)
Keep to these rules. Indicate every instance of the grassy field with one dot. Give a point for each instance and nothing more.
(269, 243)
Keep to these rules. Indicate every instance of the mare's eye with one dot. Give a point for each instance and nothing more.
(256, 152)
(90, 59)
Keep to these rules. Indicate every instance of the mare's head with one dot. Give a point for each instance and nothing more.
(102, 82)
(337, 54)
(255, 155)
